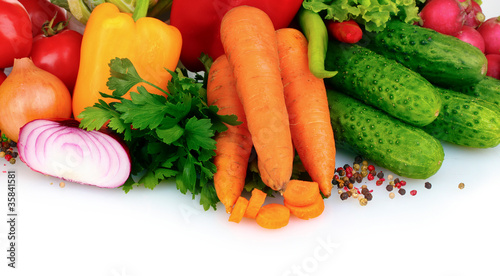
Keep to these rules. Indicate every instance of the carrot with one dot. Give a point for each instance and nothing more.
(256, 201)
(346, 31)
(273, 216)
(301, 193)
(233, 145)
(309, 211)
(239, 210)
(307, 106)
(249, 40)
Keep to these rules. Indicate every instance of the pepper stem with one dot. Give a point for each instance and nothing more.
(141, 9)
(50, 29)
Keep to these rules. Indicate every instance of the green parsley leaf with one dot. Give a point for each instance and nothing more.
(169, 138)
(171, 134)
(123, 76)
(144, 110)
(199, 135)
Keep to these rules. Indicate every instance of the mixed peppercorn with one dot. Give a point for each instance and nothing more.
(348, 176)
(7, 149)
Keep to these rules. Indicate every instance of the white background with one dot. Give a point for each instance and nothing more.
(83, 230)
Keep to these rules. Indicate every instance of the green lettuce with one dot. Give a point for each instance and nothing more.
(373, 14)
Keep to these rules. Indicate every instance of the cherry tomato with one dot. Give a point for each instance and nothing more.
(15, 32)
(59, 54)
(42, 11)
(2, 76)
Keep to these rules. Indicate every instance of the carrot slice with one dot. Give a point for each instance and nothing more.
(255, 203)
(301, 193)
(273, 216)
(238, 210)
(308, 212)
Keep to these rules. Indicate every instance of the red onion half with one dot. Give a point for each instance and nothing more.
(61, 149)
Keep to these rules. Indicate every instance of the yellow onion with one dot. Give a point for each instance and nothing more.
(31, 93)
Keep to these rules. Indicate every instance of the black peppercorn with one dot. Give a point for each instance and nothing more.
(402, 191)
(358, 159)
(428, 185)
(380, 174)
(368, 196)
(344, 196)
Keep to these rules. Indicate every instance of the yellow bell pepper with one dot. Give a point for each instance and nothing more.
(149, 43)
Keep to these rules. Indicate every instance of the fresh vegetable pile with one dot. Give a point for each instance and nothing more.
(245, 101)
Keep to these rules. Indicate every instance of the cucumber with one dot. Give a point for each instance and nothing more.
(487, 89)
(466, 121)
(442, 59)
(399, 147)
(382, 82)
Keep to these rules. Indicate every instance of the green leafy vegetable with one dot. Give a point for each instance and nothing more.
(373, 14)
(168, 137)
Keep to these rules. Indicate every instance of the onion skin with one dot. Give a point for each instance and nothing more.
(59, 148)
(30, 93)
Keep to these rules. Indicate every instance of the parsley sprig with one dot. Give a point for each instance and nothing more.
(168, 137)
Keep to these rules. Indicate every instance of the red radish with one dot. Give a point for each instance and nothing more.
(346, 31)
(490, 30)
(61, 149)
(444, 16)
(493, 65)
(475, 15)
(471, 36)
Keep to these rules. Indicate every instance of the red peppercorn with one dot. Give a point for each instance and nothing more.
(379, 182)
(348, 169)
(371, 168)
(402, 182)
(370, 177)
(348, 174)
(8, 157)
(413, 192)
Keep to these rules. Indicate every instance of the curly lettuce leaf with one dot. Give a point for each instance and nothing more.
(373, 14)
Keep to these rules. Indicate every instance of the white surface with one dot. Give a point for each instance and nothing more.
(83, 230)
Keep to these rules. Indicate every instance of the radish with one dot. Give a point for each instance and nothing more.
(61, 149)
(475, 15)
(471, 36)
(444, 16)
(490, 30)
(493, 65)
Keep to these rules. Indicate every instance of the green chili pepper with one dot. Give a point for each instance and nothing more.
(314, 29)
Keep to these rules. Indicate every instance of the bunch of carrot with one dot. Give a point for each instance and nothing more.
(264, 79)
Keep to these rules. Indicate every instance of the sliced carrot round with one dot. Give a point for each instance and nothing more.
(273, 216)
(238, 210)
(301, 193)
(255, 203)
(309, 211)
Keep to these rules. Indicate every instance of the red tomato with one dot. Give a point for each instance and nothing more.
(59, 54)
(2, 76)
(15, 32)
(42, 11)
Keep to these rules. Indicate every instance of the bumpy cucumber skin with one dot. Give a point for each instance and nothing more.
(466, 121)
(383, 83)
(487, 89)
(399, 147)
(442, 59)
